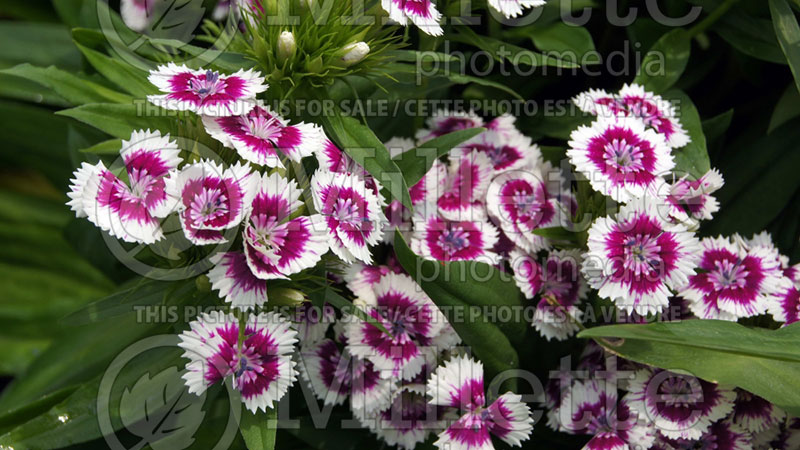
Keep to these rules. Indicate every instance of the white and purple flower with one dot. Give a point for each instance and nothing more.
(562, 284)
(463, 191)
(353, 214)
(206, 92)
(263, 137)
(444, 240)
(413, 323)
(733, 281)
(211, 199)
(459, 384)
(232, 277)
(620, 158)
(681, 406)
(409, 420)
(634, 101)
(635, 258)
(593, 408)
(507, 150)
(261, 367)
(129, 211)
(519, 201)
(276, 244)
(754, 414)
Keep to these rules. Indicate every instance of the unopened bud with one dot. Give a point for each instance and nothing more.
(354, 53)
(285, 297)
(286, 46)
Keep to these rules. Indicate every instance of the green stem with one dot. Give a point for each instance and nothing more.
(712, 18)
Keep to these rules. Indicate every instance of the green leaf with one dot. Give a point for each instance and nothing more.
(109, 147)
(75, 89)
(120, 120)
(258, 430)
(40, 44)
(764, 362)
(563, 38)
(716, 127)
(787, 108)
(693, 158)
(132, 80)
(788, 32)
(361, 144)
(462, 300)
(665, 62)
(516, 55)
(416, 162)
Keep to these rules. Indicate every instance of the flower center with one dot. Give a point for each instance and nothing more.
(266, 235)
(454, 240)
(207, 85)
(209, 204)
(625, 156)
(729, 275)
(346, 212)
(265, 127)
(642, 254)
(246, 367)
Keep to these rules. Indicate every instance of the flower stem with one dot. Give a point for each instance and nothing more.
(712, 18)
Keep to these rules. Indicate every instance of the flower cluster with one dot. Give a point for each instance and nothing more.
(627, 405)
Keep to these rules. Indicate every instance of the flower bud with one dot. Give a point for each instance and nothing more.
(353, 53)
(286, 46)
(286, 297)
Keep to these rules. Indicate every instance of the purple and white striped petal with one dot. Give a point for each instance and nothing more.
(129, 211)
(361, 279)
(444, 122)
(458, 383)
(327, 371)
(681, 406)
(754, 414)
(444, 240)
(205, 92)
(231, 276)
(527, 273)
(470, 432)
(592, 407)
(464, 189)
(520, 203)
(263, 137)
(261, 368)
(724, 435)
(734, 282)
(633, 101)
(621, 158)
(409, 420)
(510, 419)
(211, 199)
(352, 212)
(510, 150)
(786, 308)
(409, 315)
(275, 245)
(514, 8)
(635, 258)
